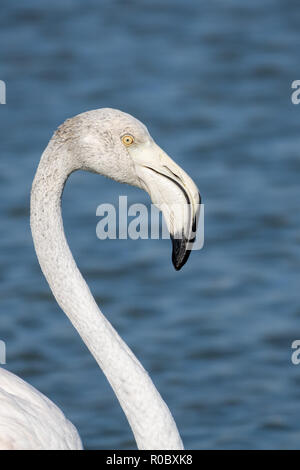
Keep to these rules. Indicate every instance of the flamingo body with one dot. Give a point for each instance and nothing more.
(30, 421)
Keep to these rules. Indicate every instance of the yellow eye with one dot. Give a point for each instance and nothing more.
(127, 140)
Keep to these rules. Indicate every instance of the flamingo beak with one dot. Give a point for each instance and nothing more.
(173, 192)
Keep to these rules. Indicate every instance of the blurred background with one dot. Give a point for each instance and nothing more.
(212, 81)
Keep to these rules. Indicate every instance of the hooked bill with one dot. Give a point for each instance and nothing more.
(173, 192)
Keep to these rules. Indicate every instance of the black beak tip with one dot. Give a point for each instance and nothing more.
(180, 254)
(176, 265)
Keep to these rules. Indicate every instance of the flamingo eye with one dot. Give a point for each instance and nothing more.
(127, 140)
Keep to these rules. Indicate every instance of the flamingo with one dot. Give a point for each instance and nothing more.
(115, 144)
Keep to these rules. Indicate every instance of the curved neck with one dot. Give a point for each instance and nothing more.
(149, 417)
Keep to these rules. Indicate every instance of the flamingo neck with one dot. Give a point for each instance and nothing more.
(149, 417)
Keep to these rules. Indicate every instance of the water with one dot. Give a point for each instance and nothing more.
(212, 82)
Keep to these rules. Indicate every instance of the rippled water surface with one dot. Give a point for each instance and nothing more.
(212, 81)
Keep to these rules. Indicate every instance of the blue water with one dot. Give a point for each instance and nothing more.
(212, 81)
